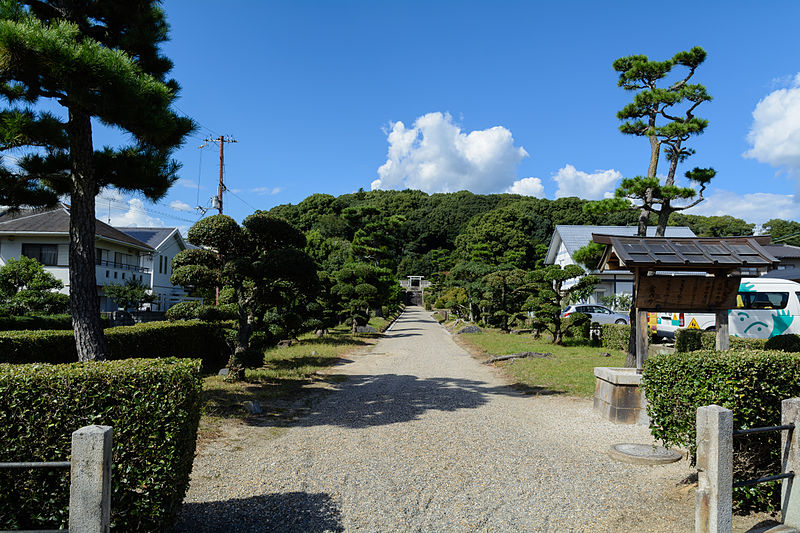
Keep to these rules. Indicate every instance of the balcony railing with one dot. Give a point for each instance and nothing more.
(123, 266)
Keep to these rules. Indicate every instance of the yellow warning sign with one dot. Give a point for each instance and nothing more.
(693, 324)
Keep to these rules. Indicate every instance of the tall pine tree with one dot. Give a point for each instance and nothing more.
(96, 59)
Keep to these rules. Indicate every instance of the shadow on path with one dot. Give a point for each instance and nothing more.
(284, 512)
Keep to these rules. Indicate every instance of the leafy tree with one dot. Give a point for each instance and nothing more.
(130, 295)
(100, 60)
(361, 287)
(549, 297)
(26, 287)
(676, 104)
(262, 262)
(504, 296)
(782, 231)
(713, 226)
(590, 255)
(455, 299)
(469, 275)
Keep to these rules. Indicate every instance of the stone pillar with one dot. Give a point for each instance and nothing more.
(713, 513)
(790, 462)
(723, 334)
(90, 480)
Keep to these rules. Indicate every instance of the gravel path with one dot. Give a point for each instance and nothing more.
(421, 437)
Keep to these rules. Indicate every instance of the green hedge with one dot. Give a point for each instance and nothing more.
(37, 322)
(153, 407)
(152, 339)
(787, 343)
(690, 340)
(615, 336)
(196, 310)
(751, 383)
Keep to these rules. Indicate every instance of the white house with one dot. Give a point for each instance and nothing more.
(567, 240)
(43, 234)
(166, 242)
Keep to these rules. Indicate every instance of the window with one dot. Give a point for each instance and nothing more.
(106, 273)
(762, 300)
(46, 254)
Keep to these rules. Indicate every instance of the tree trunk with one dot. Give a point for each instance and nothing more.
(355, 326)
(83, 300)
(245, 322)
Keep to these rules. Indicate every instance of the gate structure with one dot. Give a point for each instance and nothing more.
(90, 479)
(715, 483)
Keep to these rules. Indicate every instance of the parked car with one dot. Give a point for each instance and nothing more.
(599, 313)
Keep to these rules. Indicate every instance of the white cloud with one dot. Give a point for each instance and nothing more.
(261, 191)
(775, 134)
(135, 215)
(187, 183)
(177, 205)
(574, 182)
(752, 207)
(527, 187)
(434, 155)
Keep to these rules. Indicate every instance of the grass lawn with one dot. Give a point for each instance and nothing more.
(570, 370)
(280, 380)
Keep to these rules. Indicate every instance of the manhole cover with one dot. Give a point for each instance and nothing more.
(643, 454)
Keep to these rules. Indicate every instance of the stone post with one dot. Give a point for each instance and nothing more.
(713, 513)
(642, 338)
(723, 342)
(790, 462)
(90, 480)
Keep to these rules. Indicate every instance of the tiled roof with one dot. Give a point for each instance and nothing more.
(698, 253)
(783, 251)
(152, 236)
(56, 220)
(790, 273)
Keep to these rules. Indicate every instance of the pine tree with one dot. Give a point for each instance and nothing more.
(96, 59)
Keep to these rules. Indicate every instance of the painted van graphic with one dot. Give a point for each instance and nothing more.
(765, 308)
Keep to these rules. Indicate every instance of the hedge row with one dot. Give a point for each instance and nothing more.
(615, 336)
(36, 322)
(690, 340)
(196, 310)
(751, 383)
(153, 407)
(152, 339)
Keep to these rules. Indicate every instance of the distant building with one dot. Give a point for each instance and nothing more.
(789, 257)
(567, 240)
(43, 234)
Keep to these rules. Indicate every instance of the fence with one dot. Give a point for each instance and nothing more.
(715, 434)
(90, 479)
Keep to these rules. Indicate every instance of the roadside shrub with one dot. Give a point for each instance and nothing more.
(152, 339)
(751, 383)
(154, 408)
(786, 343)
(577, 326)
(690, 340)
(37, 322)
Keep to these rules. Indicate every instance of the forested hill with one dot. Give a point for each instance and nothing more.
(414, 233)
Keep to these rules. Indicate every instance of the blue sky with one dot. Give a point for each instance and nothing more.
(332, 96)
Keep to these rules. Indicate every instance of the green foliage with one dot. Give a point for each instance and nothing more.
(615, 336)
(153, 408)
(196, 310)
(37, 322)
(151, 340)
(589, 256)
(789, 342)
(782, 231)
(26, 287)
(618, 302)
(549, 297)
(751, 383)
(690, 340)
(361, 287)
(131, 295)
(504, 295)
(713, 226)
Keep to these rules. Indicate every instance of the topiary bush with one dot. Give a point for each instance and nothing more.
(196, 310)
(153, 407)
(615, 336)
(786, 343)
(152, 339)
(751, 383)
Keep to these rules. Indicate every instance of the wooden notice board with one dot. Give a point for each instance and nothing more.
(686, 293)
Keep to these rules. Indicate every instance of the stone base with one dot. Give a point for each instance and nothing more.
(618, 396)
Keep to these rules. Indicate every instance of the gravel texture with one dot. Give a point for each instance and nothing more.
(421, 437)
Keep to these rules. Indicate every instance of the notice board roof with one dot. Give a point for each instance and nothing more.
(703, 254)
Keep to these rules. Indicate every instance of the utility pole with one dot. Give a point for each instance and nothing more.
(221, 187)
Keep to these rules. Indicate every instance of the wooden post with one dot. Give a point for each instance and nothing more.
(723, 333)
(642, 339)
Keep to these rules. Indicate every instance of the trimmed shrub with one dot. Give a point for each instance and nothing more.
(153, 407)
(690, 340)
(37, 322)
(786, 343)
(182, 311)
(152, 339)
(615, 336)
(196, 310)
(751, 383)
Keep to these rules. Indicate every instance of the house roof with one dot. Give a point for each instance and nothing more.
(790, 273)
(55, 221)
(783, 251)
(687, 253)
(575, 237)
(154, 237)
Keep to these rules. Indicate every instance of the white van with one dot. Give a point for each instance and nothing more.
(765, 307)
